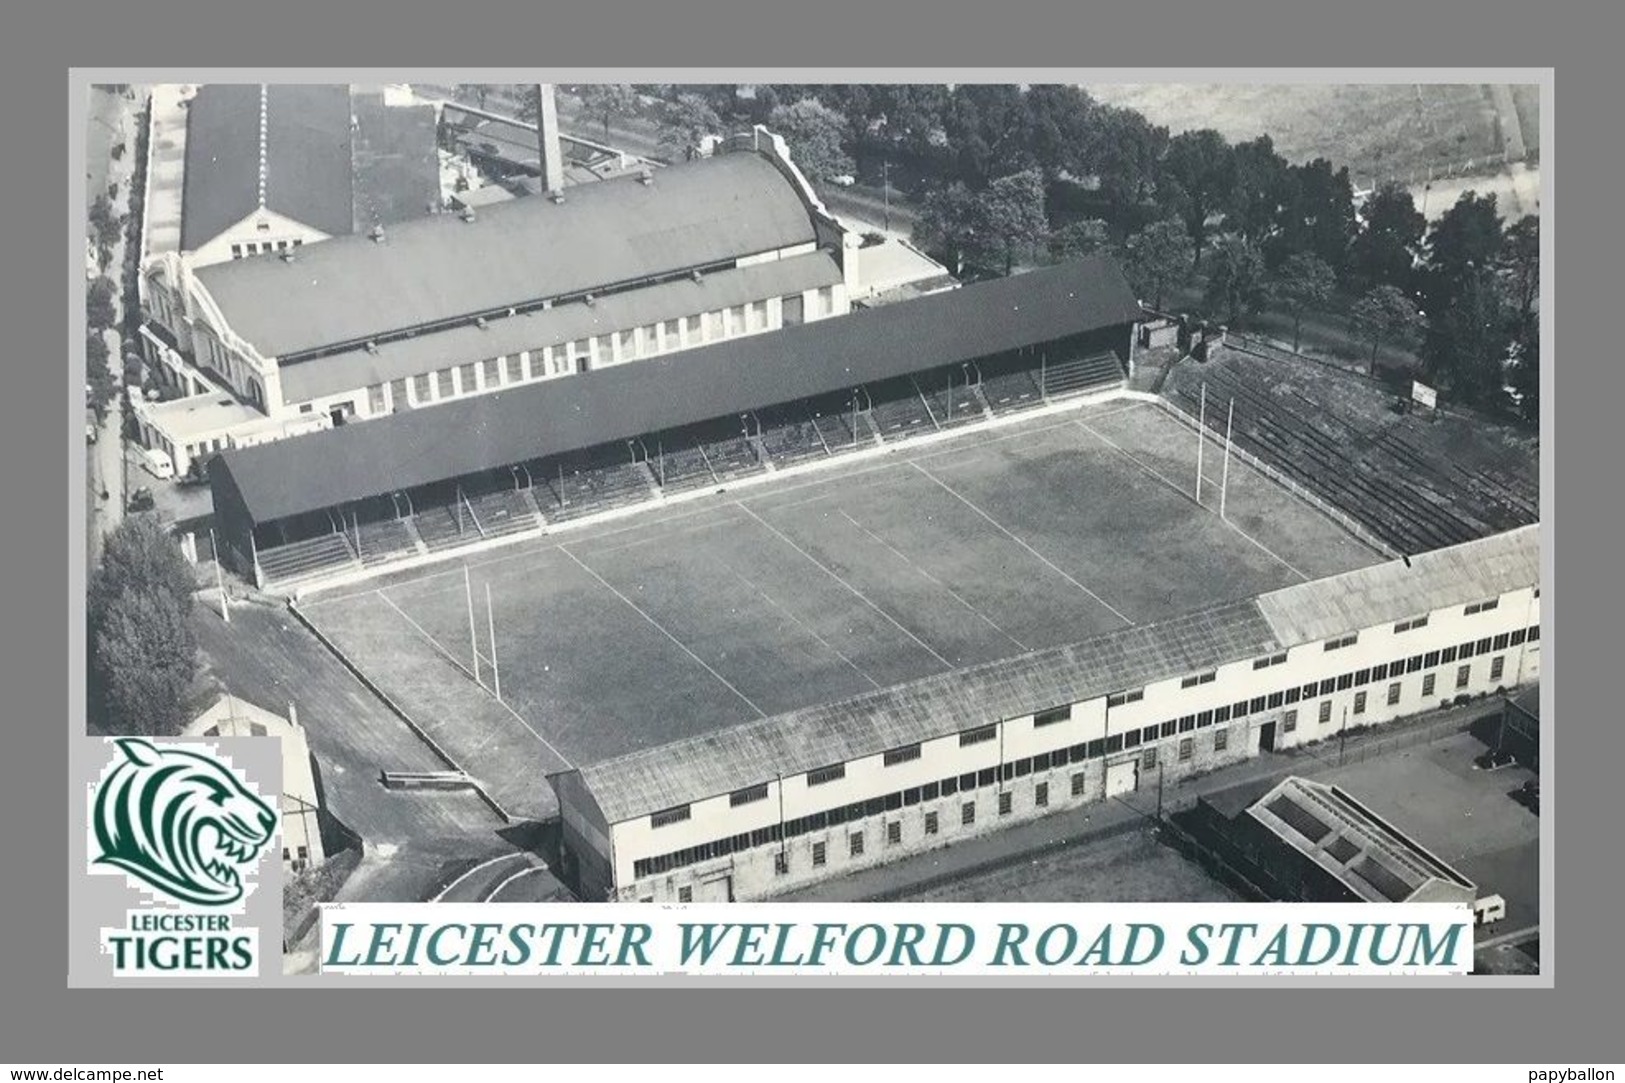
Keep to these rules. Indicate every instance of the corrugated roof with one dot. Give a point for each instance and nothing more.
(372, 458)
(1376, 861)
(350, 289)
(307, 158)
(1367, 597)
(556, 326)
(755, 752)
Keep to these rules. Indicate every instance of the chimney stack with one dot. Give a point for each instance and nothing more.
(552, 155)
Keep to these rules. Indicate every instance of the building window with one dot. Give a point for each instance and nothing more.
(854, 843)
(1050, 717)
(1041, 795)
(1497, 667)
(894, 833)
(1078, 784)
(781, 863)
(1221, 740)
(977, 736)
(1359, 703)
(820, 854)
(375, 399)
(747, 797)
(488, 370)
(902, 755)
(967, 813)
(1482, 607)
(515, 364)
(1200, 678)
(930, 823)
(236, 251)
(1289, 721)
(1410, 625)
(1463, 675)
(443, 388)
(1123, 698)
(1393, 694)
(1272, 660)
(1005, 803)
(1150, 759)
(1187, 723)
(671, 332)
(826, 774)
(685, 894)
(1325, 712)
(1428, 684)
(1186, 747)
(669, 816)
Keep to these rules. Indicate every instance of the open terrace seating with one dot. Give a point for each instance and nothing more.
(726, 448)
(1080, 375)
(897, 409)
(592, 481)
(323, 553)
(789, 435)
(1010, 383)
(958, 406)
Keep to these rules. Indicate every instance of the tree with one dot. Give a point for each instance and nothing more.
(139, 555)
(1525, 375)
(1467, 343)
(814, 134)
(1320, 215)
(1384, 252)
(479, 93)
(96, 354)
(1127, 150)
(1080, 238)
(1386, 315)
(1304, 282)
(1059, 125)
(106, 226)
(686, 122)
(1158, 258)
(99, 311)
(946, 224)
(1520, 255)
(1011, 215)
(1237, 282)
(1199, 176)
(1465, 240)
(608, 102)
(146, 657)
(1263, 188)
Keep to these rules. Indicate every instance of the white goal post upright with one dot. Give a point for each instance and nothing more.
(473, 638)
(1201, 441)
(1224, 479)
(491, 627)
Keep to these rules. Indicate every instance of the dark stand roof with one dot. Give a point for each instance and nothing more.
(417, 447)
(307, 158)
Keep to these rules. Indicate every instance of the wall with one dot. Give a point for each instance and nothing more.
(265, 231)
(1242, 702)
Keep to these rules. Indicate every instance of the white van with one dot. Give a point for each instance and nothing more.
(158, 463)
(1489, 910)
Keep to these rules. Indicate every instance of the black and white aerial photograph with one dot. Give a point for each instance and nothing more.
(908, 492)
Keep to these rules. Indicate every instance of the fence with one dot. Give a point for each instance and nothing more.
(1338, 515)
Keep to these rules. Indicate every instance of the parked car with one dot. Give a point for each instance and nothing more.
(845, 180)
(141, 499)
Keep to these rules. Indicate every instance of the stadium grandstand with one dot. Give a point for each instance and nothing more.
(408, 315)
(516, 461)
(757, 808)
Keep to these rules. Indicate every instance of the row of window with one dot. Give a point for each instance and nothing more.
(1355, 679)
(255, 248)
(1410, 625)
(857, 810)
(1482, 607)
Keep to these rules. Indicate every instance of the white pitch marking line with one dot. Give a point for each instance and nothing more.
(520, 875)
(864, 598)
(663, 631)
(1006, 532)
(951, 591)
(1156, 474)
(435, 643)
(807, 628)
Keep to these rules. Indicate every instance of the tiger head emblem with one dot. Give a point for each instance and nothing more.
(180, 823)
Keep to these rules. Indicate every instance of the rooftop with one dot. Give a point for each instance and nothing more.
(200, 414)
(1458, 575)
(351, 289)
(1374, 859)
(286, 147)
(231, 716)
(532, 421)
(338, 373)
(395, 164)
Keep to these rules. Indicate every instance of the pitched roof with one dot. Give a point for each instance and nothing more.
(555, 326)
(396, 162)
(1473, 571)
(350, 289)
(300, 141)
(1370, 856)
(532, 421)
(749, 754)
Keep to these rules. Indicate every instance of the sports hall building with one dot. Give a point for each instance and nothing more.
(439, 309)
(523, 457)
(763, 807)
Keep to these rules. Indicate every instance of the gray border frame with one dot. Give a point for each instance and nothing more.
(589, 1021)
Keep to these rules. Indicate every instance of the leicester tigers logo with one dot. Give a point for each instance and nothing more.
(180, 823)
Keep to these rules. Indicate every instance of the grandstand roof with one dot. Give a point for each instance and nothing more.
(754, 752)
(1392, 591)
(350, 289)
(556, 326)
(1374, 859)
(305, 156)
(371, 458)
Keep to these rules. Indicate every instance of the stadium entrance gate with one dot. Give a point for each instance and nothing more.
(1122, 777)
(1266, 737)
(715, 888)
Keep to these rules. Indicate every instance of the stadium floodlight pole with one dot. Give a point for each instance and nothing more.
(491, 627)
(219, 577)
(1224, 478)
(1201, 442)
(473, 639)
